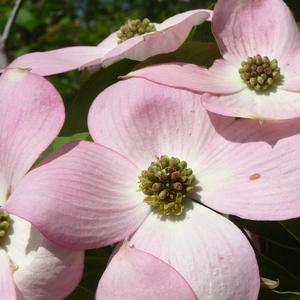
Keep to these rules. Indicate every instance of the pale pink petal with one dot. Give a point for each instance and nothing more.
(7, 286)
(141, 120)
(221, 78)
(248, 27)
(41, 270)
(170, 35)
(53, 273)
(291, 71)
(276, 104)
(31, 115)
(134, 274)
(210, 252)
(84, 197)
(192, 16)
(58, 61)
(168, 38)
(252, 170)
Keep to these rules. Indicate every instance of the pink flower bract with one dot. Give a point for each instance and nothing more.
(169, 36)
(243, 28)
(241, 167)
(31, 116)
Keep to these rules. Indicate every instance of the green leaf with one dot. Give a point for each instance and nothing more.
(283, 256)
(27, 20)
(272, 270)
(293, 227)
(81, 293)
(203, 33)
(76, 120)
(61, 141)
(95, 264)
(270, 231)
(195, 52)
(275, 295)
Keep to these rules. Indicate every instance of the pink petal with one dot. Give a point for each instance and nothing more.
(246, 28)
(170, 35)
(168, 38)
(91, 193)
(274, 105)
(209, 251)
(291, 71)
(31, 115)
(195, 17)
(146, 120)
(134, 274)
(52, 274)
(221, 78)
(58, 61)
(42, 270)
(253, 170)
(7, 286)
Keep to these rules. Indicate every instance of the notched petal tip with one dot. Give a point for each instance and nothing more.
(15, 74)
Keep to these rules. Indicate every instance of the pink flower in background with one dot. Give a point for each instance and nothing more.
(159, 156)
(153, 39)
(31, 116)
(259, 75)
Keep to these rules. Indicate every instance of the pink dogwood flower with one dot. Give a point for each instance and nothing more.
(31, 116)
(259, 75)
(139, 41)
(159, 156)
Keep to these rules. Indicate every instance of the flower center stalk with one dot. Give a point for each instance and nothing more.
(133, 28)
(4, 224)
(259, 73)
(166, 184)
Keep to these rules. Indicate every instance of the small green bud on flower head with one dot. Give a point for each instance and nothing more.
(259, 73)
(4, 224)
(166, 184)
(133, 28)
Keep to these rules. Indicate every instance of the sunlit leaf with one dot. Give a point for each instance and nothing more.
(61, 141)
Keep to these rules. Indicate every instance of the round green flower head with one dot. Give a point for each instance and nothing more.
(4, 224)
(259, 73)
(166, 184)
(133, 28)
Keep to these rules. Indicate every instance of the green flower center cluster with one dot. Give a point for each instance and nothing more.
(166, 184)
(259, 73)
(133, 28)
(4, 224)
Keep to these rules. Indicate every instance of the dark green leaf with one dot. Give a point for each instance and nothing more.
(274, 295)
(272, 270)
(95, 264)
(270, 231)
(284, 256)
(203, 33)
(81, 293)
(293, 227)
(195, 52)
